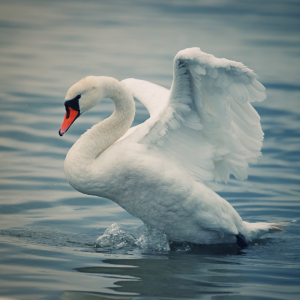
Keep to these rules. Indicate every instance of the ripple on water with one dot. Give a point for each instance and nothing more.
(49, 231)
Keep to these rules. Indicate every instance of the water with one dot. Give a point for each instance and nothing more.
(48, 231)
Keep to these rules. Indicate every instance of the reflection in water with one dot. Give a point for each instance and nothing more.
(172, 276)
(91, 296)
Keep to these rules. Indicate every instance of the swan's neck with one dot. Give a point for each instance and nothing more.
(102, 135)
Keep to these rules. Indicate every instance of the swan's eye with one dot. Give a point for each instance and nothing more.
(68, 112)
(74, 104)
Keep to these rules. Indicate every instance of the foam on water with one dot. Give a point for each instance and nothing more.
(154, 240)
(115, 238)
(150, 239)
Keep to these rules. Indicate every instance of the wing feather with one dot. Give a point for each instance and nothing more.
(206, 122)
(152, 96)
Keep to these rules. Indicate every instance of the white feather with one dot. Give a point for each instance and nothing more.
(211, 96)
(204, 128)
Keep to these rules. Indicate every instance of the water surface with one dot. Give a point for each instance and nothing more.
(48, 231)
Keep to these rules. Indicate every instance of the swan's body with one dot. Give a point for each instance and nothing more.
(203, 128)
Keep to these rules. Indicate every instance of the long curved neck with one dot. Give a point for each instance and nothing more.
(102, 135)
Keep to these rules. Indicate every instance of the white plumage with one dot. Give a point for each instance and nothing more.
(204, 128)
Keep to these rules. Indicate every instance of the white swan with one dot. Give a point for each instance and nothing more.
(204, 128)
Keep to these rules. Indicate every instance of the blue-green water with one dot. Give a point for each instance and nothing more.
(48, 231)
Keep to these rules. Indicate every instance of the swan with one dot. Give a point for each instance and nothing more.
(203, 128)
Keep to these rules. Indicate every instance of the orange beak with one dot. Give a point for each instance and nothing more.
(70, 117)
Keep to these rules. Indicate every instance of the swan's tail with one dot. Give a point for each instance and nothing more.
(255, 230)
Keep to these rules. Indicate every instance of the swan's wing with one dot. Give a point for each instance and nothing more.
(208, 125)
(152, 96)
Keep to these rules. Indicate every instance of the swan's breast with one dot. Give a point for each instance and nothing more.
(156, 190)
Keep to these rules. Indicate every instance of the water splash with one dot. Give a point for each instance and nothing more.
(115, 238)
(150, 239)
(153, 240)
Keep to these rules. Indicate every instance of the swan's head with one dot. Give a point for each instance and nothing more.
(81, 97)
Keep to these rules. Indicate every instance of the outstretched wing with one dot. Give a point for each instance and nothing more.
(152, 96)
(208, 124)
